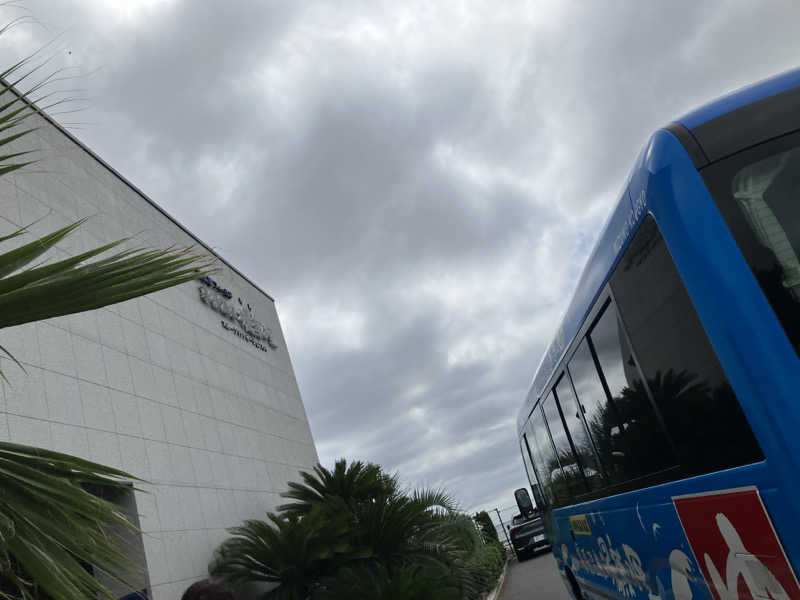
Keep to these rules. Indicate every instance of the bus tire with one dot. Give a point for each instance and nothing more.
(573, 584)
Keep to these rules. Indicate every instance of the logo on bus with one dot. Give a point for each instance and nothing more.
(735, 545)
(579, 525)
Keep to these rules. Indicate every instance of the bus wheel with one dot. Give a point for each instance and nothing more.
(573, 584)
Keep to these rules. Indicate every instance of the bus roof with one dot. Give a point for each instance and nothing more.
(607, 249)
(741, 97)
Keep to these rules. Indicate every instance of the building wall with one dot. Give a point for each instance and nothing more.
(155, 385)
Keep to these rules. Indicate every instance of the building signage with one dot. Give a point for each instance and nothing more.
(245, 325)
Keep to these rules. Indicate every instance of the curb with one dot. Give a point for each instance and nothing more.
(499, 587)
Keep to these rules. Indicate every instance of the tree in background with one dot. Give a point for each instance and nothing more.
(354, 528)
(51, 527)
(484, 522)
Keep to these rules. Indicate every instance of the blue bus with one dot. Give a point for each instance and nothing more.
(661, 433)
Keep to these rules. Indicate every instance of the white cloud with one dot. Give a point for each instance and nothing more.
(418, 184)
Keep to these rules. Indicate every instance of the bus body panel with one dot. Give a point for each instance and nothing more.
(636, 546)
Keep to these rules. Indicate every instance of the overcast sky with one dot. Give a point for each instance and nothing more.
(417, 184)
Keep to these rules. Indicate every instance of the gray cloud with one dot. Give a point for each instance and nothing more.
(417, 185)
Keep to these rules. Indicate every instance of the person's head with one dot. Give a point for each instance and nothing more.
(207, 590)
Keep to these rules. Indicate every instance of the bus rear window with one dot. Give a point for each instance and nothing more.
(757, 193)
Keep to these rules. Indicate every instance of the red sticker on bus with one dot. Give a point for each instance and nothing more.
(735, 545)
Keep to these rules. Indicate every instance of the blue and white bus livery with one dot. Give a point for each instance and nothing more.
(661, 433)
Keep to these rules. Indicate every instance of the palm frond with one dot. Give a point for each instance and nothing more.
(74, 285)
(352, 484)
(433, 499)
(289, 550)
(68, 286)
(51, 525)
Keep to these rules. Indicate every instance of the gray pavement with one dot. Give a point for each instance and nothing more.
(534, 579)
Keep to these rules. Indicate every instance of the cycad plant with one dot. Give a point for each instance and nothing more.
(375, 582)
(51, 527)
(353, 484)
(393, 543)
(289, 550)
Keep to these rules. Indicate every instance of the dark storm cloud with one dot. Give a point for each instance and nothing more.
(417, 185)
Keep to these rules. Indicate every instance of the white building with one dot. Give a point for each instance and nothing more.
(166, 387)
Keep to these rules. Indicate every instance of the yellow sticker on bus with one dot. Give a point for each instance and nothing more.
(579, 525)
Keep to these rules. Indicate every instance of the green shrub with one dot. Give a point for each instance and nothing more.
(487, 565)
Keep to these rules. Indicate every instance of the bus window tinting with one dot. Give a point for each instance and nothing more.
(572, 472)
(547, 465)
(526, 459)
(577, 431)
(537, 461)
(599, 415)
(642, 438)
(701, 413)
(756, 191)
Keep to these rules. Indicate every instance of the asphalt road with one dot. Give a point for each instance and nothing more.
(534, 579)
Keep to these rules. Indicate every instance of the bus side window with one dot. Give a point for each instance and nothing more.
(628, 398)
(546, 461)
(601, 419)
(537, 463)
(685, 379)
(570, 466)
(527, 460)
(573, 417)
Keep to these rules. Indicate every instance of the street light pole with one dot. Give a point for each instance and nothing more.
(503, 527)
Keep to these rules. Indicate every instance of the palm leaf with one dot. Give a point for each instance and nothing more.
(50, 525)
(68, 287)
(289, 550)
(352, 484)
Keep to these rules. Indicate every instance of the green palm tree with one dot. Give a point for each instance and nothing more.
(391, 539)
(351, 484)
(51, 527)
(386, 524)
(401, 529)
(292, 551)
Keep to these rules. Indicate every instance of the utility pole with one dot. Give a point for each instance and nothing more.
(503, 527)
